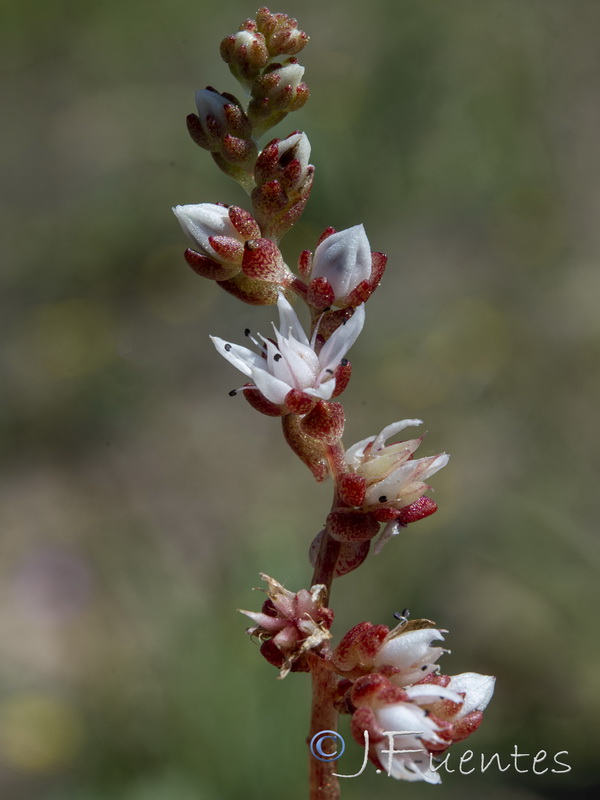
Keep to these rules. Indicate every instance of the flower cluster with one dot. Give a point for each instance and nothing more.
(394, 684)
(388, 680)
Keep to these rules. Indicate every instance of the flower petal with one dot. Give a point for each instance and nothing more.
(478, 690)
(392, 429)
(241, 358)
(341, 340)
(289, 322)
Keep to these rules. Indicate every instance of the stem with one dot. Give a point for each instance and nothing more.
(330, 548)
(324, 717)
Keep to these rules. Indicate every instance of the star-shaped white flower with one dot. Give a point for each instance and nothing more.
(291, 362)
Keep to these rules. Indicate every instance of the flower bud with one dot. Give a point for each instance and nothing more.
(262, 259)
(281, 33)
(219, 115)
(218, 232)
(222, 127)
(344, 260)
(275, 93)
(246, 54)
(343, 270)
(285, 161)
(283, 183)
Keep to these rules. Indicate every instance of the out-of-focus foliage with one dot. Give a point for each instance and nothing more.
(138, 502)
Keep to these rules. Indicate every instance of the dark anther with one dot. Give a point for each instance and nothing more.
(405, 614)
(424, 667)
(383, 499)
(233, 393)
(330, 371)
(344, 362)
(277, 357)
(227, 348)
(246, 331)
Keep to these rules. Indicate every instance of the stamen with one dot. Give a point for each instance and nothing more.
(277, 357)
(227, 348)
(254, 341)
(383, 498)
(233, 392)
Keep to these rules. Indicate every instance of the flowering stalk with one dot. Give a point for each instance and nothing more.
(386, 680)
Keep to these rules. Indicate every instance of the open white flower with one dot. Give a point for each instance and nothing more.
(392, 476)
(291, 362)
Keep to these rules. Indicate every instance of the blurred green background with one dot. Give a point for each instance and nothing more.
(138, 502)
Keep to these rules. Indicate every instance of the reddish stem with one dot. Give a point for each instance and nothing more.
(330, 547)
(324, 717)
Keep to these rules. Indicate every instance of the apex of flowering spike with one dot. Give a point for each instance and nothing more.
(275, 93)
(290, 369)
(281, 33)
(343, 270)
(291, 624)
(394, 482)
(219, 234)
(246, 54)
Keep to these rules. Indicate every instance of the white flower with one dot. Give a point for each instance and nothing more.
(411, 766)
(344, 260)
(204, 220)
(411, 653)
(292, 362)
(393, 478)
(438, 715)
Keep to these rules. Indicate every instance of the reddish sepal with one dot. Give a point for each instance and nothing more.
(207, 268)
(352, 489)
(305, 263)
(320, 293)
(259, 402)
(385, 514)
(262, 260)
(343, 373)
(421, 508)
